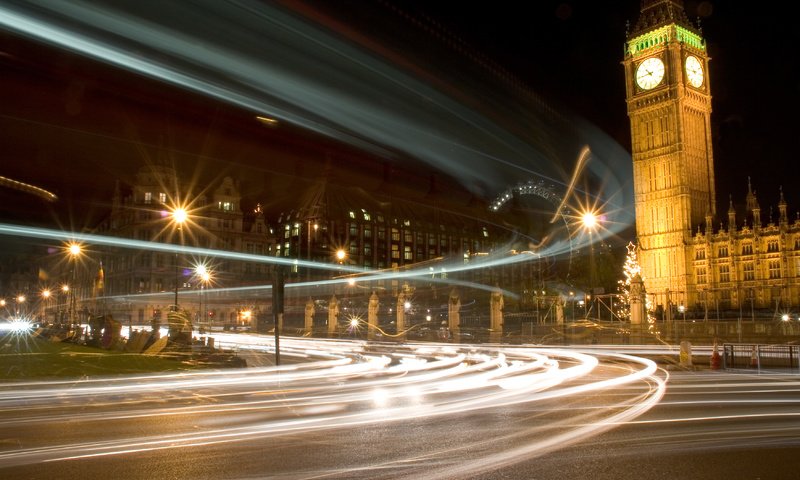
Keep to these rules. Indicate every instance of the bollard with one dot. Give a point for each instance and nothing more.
(686, 354)
(715, 358)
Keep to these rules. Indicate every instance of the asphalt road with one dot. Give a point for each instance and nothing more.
(409, 412)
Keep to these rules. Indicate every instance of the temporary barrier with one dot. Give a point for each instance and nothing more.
(760, 357)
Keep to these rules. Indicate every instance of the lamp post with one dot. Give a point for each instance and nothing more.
(179, 216)
(74, 250)
(590, 221)
(205, 277)
(20, 299)
(45, 298)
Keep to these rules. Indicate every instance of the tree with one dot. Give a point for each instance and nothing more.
(630, 269)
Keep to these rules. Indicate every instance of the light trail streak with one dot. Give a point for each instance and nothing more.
(359, 384)
(319, 79)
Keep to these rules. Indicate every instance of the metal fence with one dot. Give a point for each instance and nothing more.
(761, 357)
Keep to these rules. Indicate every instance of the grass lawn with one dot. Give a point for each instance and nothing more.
(25, 357)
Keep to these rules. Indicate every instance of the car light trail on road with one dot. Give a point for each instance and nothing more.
(344, 385)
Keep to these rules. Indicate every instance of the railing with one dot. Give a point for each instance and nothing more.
(760, 357)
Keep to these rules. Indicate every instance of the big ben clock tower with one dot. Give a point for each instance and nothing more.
(669, 105)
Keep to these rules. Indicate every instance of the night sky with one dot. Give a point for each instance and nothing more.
(573, 52)
(72, 125)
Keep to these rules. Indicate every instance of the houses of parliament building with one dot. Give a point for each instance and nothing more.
(693, 256)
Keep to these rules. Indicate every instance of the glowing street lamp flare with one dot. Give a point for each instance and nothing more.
(180, 215)
(589, 219)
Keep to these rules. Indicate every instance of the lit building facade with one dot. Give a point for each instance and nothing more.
(669, 105)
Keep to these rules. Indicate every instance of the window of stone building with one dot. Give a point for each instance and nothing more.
(724, 273)
(701, 275)
(367, 231)
(148, 197)
(395, 235)
(406, 223)
(749, 272)
(353, 229)
(408, 236)
(295, 229)
(774, 269)
(368, 251)
(353, 248)
(700, 254)
(162, 197)
(723, 252)
(747, 249)
(352, 215)
(367, 216)
(485, 232)
(772, 246)
(396, 252)
(407, 253)
(381, 233)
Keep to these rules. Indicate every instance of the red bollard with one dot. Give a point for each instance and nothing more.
(715, 358)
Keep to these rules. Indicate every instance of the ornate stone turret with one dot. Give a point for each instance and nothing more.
(783, 219)
(709, 223)
(731, 216)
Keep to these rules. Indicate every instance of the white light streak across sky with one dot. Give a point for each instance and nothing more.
(268, 59)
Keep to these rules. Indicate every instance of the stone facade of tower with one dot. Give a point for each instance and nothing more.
(669, 106)
(741, 266)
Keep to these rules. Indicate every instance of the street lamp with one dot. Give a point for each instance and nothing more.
(74, 251)
(45, 298)
(205, 277)
(179, 216)
(591, 221)
(20, 299)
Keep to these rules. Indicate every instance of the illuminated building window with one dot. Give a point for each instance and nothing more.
(407, 254)
(367, 216)
(395, 252)
(295, 230)
(353, 249)
(724, 274)
(749, 272)
(774, 269)
(353, 229)
(162, 197)
(432, 240)
(485, 232)
(367, 232)
(701, 275)
(395, 235)
(353, 215)
(723, 252)
(701, 254)
(148, 197)
(380, 218)
(367, 251)
(381, 233)
(772, 246)
(406, 223)
(747, 249)
(408, 237)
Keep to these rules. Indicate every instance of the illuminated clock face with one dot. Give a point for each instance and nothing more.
(694, 71)
(650, 73)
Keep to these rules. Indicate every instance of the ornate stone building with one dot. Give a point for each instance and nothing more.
(669, 105)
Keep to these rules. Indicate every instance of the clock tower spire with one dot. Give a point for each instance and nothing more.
(669, 106)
